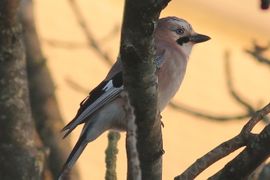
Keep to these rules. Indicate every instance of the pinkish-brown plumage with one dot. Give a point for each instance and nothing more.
(103, 108)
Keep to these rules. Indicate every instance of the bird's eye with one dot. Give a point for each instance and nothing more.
(180, 31)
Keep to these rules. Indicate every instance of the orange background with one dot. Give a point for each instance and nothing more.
(232, 26)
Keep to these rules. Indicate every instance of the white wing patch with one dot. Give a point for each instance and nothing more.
(103, 99)
(108, 86)
(110, 94)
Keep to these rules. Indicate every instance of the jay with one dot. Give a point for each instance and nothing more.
(103, 108)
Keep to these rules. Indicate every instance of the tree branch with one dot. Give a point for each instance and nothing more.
(131, 143)
(256, 152)
(245, 138)
(79, 45)
(91, 41)
(65, 44)
(111, 155)
(250, 110)
(200, 114)
(256, 53)
(137, 55)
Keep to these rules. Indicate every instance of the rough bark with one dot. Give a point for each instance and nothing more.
(134, 169)
(44, 105)
(19, 157)
(111, 155)
(257, 151)
(244, 138)
(265, 172)
(137, 54)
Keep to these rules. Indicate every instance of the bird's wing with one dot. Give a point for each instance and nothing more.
(159, 60)
(105, 92)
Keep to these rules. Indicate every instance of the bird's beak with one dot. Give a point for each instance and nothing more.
(198, 38)
(194, 38)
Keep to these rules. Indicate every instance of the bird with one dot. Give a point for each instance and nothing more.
(103, 108)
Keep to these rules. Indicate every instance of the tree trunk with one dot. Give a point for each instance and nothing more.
(44, 105)
(19, 156)
(137, 54)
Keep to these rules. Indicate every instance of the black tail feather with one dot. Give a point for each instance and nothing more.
(74, 155)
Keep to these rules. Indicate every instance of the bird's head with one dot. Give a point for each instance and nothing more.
(180, 32)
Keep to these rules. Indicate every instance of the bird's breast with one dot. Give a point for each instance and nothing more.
(170, 77)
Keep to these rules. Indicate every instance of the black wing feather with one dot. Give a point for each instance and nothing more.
(94, 95)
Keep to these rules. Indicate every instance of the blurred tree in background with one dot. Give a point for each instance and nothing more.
(31, 146)
(25, 77)
(20, 151)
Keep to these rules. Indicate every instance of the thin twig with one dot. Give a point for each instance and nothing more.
(199, 113)
(257, 53)
(131, 142)
(112, 33)
(232, 91)
(76, 86)
(80, 45)
(258, 57)
(65, 44)
(234, 94)
(91, 41)
(249, 108)
(211, 157)
(111, 155)
(225, 148)
(256, 152)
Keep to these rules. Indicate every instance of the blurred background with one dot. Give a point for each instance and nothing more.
(233, 27)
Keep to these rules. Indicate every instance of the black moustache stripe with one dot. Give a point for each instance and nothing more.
(183, 40)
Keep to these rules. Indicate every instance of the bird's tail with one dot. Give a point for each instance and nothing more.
(74, 155)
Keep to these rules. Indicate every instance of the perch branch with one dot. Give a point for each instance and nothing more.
(137, 56)
(224, 149)
(256, 152)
